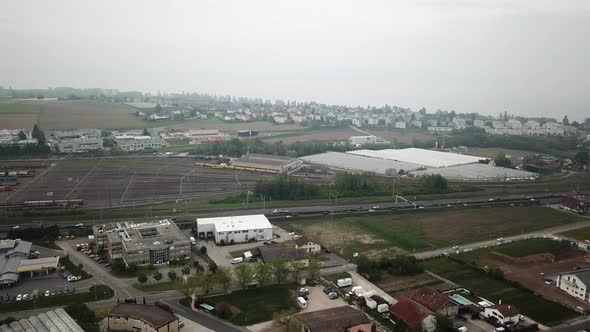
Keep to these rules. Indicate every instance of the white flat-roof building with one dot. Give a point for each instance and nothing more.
(134, 143)
(235, 228)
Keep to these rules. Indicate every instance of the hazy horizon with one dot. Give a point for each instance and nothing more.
(526, 57)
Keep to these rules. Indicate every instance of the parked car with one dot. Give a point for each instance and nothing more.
(47, 292)
(74, 278)
(25, 297)
(180, 325)
(332, 296)
(303, 291)
(53, 293)
(328, 290)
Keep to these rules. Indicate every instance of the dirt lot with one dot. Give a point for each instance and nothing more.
(407, 286)
(529, 275)
(406, 136)
(18, 121)
(72, 114)
(322, 136)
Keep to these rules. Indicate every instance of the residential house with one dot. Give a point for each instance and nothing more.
(575, 283)
(358, 122)
(459, 123)
(436, 302)
(372, 121)
(308, 245)
(413, 314)
(273, 253)
(479, 123)
(514, 124)
(140, 317)
(440, 129)
(506, 314)
(400, 125)
(279, 118)
(339, 319)
(417, 123)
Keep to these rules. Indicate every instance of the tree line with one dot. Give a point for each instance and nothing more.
(286, 187)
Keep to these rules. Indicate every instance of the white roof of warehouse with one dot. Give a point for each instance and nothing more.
(423, 157)
(236, 223)
(349, 161)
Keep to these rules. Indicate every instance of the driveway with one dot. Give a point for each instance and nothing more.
(359, 280)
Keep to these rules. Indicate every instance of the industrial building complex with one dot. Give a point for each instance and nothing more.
(56, 320)
(14, 260)
(235, 229)
(416, 162)
(144, 243)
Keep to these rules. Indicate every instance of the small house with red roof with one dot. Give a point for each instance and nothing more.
(436, 302)
(413, 314)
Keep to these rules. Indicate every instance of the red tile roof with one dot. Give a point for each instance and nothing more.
(431, 299)
(507, 310)
(410, 312)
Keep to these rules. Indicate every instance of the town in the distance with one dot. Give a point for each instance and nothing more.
(131, 211)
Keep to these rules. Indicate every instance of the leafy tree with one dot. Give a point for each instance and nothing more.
(188, 286)
(443, 323)
(157, 276)
(142, 278)
(145, 132)
(263, 273)
(582, 157)
(22, 136)
(373, 327)
(172, 275)
(502, 161)
(185, 270)
(83, 316)
(118, 265)
(244, 275)
(39, 135)
(132, 268)
(203, 250)
(565, 120)
(158, 108)
(297, 268)
(285, 322)
(314, 268)
(280, 269)
(213, 267)
(224, 276)
(80, 266)
(434, 183)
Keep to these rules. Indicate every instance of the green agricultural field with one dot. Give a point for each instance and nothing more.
(544, 311)
(20, 108)
(419, 231)
(581, 234)
(257, 305)
(531, 247)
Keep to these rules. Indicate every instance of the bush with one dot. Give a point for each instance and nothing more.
(222, 242)
(203, 250)
(213, 267)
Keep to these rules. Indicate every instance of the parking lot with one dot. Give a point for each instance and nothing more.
(318, 300)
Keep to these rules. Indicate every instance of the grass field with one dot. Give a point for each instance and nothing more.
(581, 234)
(531, 247)
(544, 311)
(157, 286)
(379, 234)
(20, 108)
(257, 305)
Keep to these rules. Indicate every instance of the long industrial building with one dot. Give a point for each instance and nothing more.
(144, 243)
(56, 320)
(235, 228)
(417, 162)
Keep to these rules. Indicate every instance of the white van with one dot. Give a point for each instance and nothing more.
(193, 240)
(237, 260)
(301, 303)
(462, 329)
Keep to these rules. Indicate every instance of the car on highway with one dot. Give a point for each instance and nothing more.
(79, 225)
(16, 227)
(371, 210)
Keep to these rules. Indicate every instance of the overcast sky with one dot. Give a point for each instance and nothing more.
(529, 57)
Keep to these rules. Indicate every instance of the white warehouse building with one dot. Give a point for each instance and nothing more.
(134, 143)
(237, 228)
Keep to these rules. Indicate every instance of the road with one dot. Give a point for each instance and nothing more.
(488, 243)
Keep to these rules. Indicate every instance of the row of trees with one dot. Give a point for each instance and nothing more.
(263, 274)
(285, 187)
